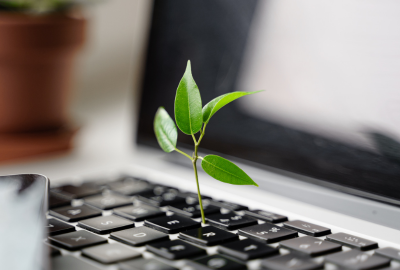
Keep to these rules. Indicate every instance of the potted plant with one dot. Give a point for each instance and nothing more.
(38, 43)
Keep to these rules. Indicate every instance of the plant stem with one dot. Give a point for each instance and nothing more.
(194, 162)
(202, 134)
(194, 139)
(203, 219)
(183, 153)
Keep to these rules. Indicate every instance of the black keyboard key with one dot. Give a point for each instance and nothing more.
(110, 253)
(168, 198)
(139, 236)
(76, 192)
(131, 187)
(144, 264)
(389, 252)
(138, 213)
(106, 224)
(266, 216)
(307, 228)
(174, 250)
(357, 260)
(208, 236)
(267, 233)
(229, 205)
(290, 262)
(216, 262)
(193, 210)
(55, 227)
(108, 201)
(57, 201)
(172, 224)
(311, 246)
(247, 249)
(77, 240)
(230, 221)
(70, 262)
(74, 213)
(352, 241)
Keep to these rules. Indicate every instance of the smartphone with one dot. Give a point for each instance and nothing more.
(23, 206)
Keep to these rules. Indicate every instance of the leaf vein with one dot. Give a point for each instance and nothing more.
(190, 122)
(164, 133)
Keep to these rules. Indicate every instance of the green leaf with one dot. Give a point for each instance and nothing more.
(188, 115)
(225, 171)
(217, 103)
(165, 130)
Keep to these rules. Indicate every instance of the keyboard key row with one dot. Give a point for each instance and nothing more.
(157, 226)
(229, 244)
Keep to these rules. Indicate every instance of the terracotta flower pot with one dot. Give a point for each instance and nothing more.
(36, 57)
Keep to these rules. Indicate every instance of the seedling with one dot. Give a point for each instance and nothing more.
(191, 119)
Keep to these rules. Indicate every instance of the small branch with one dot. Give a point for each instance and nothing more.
(194, 139)
(202, 134)
(183, 153)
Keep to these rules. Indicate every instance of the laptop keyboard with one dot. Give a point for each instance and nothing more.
(133, 224)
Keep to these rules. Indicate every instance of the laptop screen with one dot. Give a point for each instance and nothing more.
(330, 109)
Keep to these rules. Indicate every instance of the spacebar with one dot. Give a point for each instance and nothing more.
(69, 263)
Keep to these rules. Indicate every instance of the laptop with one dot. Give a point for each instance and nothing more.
(327, 161)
